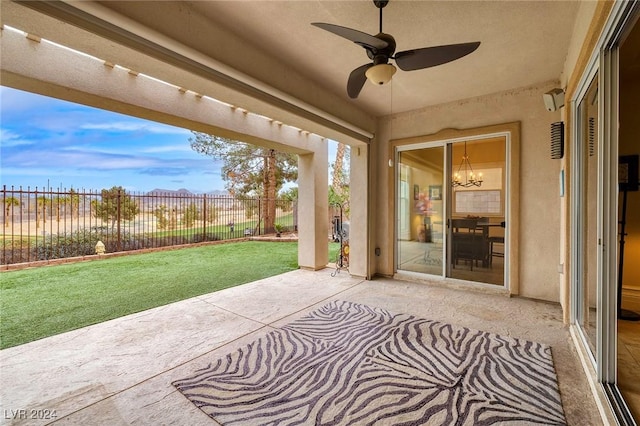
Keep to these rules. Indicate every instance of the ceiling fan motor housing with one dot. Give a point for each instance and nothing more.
(381, 56)
(380, 3)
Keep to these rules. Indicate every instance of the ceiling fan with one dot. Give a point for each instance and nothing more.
(381, 47)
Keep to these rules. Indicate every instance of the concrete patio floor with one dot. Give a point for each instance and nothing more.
(120, 372)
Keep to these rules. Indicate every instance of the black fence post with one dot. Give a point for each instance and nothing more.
(37, 218)
(204, 217)
(259, 215)
(118, 214)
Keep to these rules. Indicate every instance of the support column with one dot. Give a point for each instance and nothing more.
(313, 205)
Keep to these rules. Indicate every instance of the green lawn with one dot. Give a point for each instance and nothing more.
(49, 300)
(44, 301)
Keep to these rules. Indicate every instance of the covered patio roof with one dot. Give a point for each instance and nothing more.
(267, 58)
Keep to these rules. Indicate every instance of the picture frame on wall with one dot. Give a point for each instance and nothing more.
(435, 192)
(628, 172)
(416, 192)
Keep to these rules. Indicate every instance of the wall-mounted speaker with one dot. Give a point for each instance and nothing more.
(553, 99)
(557, 140)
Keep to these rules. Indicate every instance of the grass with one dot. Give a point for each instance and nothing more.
(45, 301)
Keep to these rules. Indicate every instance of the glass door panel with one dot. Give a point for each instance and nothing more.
(477, 225)
(587, 235)
(421, 210)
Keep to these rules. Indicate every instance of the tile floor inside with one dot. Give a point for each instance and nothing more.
(120, 372)
(427, 258)
(629, 364)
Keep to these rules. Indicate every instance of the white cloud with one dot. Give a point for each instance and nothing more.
(44, 139)
(185, 147)
(11, 139)
(134, 126)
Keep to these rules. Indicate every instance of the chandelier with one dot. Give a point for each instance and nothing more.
(465, 171)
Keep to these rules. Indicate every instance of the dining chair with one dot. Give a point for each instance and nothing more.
(466, 242)
(493, 240)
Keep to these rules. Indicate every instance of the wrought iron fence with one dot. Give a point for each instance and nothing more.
(51, 224)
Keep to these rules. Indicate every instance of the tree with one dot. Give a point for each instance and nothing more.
(190, 215)
(74, 200)
(59, 202)
(41, 210)
(339, 175)
(161, 217)
(115, 205)
(173, 218)
(250, 170)
(339, 189)
(287, 198)
(210, 214)
(9, 203)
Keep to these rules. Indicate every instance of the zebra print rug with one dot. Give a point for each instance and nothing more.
(351, 364)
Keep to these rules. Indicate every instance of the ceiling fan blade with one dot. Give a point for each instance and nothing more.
(426, 57)
(358, 37)
(357, 78)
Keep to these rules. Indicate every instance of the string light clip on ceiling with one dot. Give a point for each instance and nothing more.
(465, 170)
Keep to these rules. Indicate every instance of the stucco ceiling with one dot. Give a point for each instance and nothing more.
(273, 44)
(523, 42)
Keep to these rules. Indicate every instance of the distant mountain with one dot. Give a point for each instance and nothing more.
(218, 192)
(183, 192)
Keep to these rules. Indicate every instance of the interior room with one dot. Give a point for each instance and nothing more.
(629, 248)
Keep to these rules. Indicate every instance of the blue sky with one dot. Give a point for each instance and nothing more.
(45, 141)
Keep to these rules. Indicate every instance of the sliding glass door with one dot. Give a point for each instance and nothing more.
(605, 180)
(420, 241)
(451, 209)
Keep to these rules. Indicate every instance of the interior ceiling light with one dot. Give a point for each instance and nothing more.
(466, 171)
(381, 73)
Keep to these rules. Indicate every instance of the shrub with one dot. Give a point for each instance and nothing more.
(161, 217)
(83, 243)
(190, 216)
(200, 238)
(79, 243)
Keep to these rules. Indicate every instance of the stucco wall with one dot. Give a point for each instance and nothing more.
(539, 214)
(580, 31)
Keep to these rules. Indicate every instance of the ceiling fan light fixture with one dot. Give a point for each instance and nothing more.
(381, 73)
